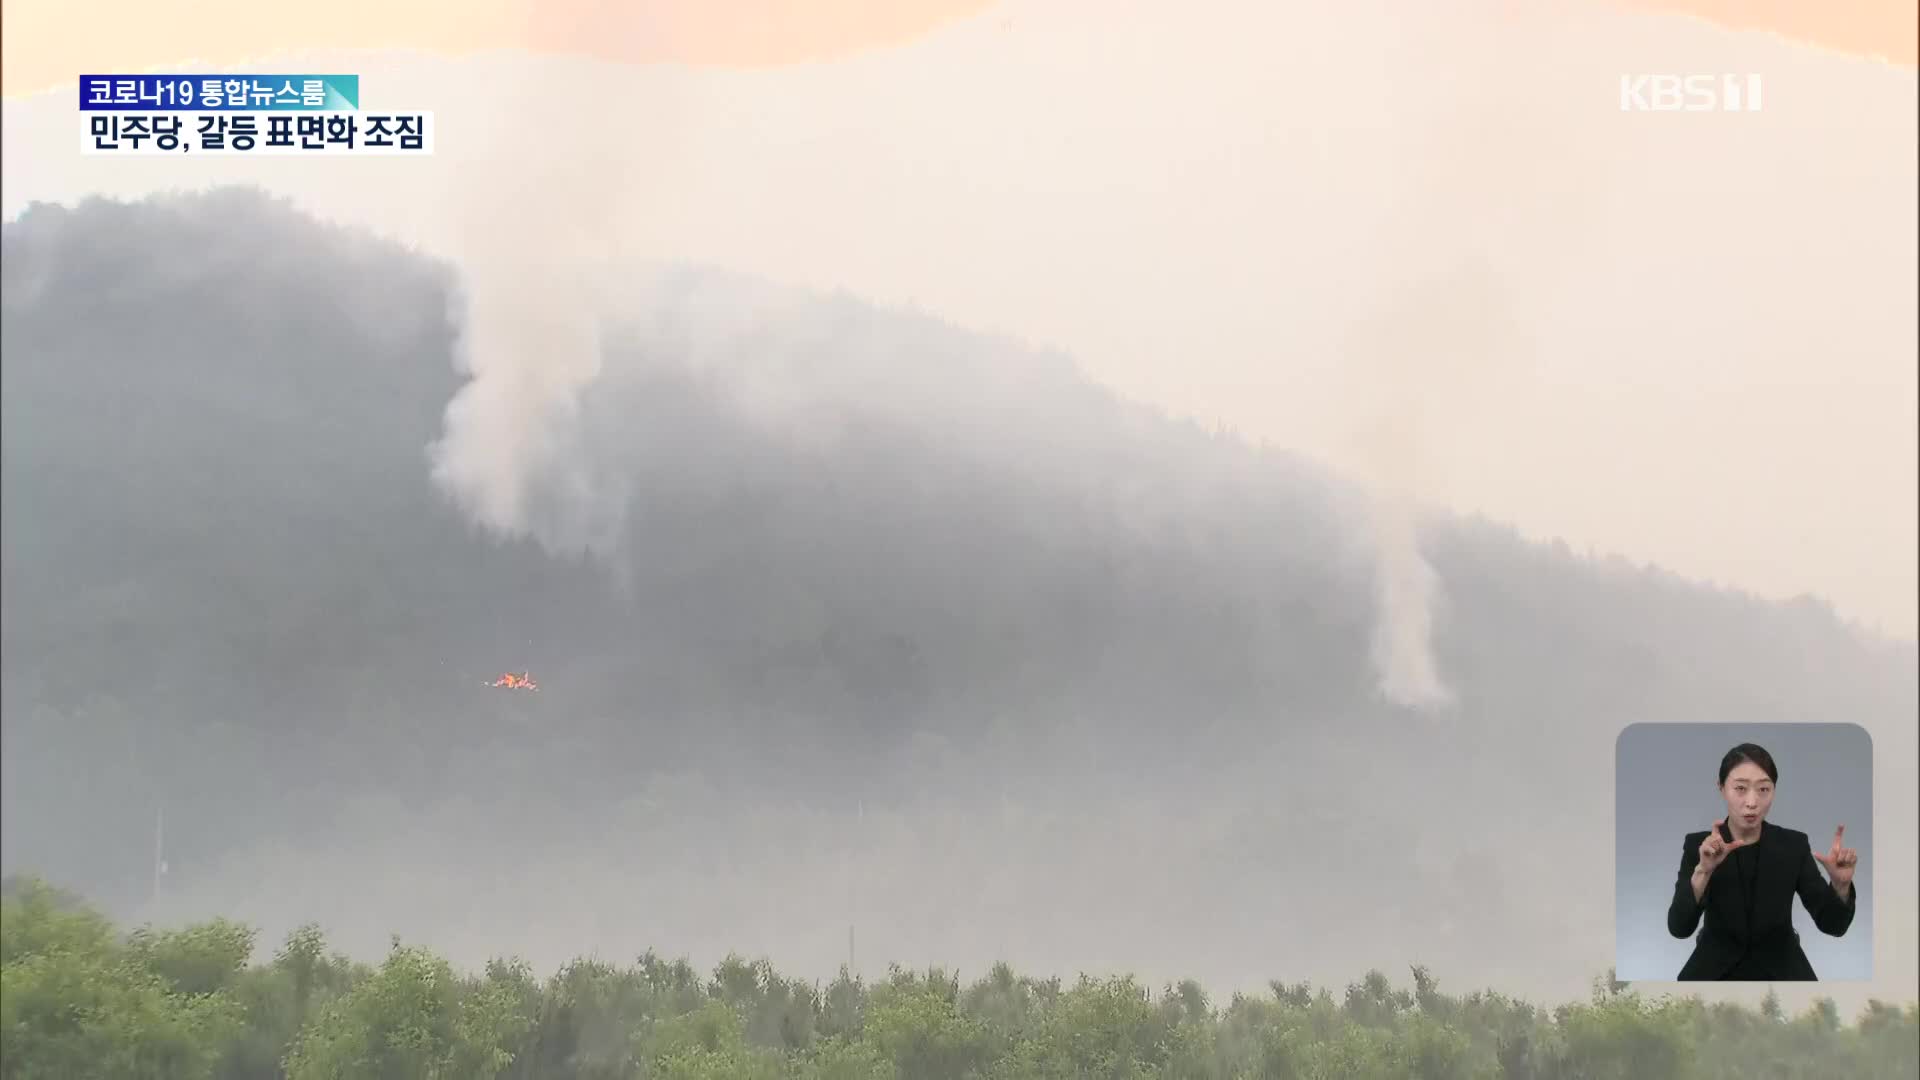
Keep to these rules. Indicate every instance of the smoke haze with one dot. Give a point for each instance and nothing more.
(1013, 494)
(1054, 677)
(1662, 348)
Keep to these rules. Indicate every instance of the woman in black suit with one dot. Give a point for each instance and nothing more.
(1743, 873)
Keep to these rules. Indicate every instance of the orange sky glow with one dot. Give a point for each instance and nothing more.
(47, 43)
(1884, 29)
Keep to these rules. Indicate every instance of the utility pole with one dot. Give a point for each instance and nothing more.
(159, 850)
(846, 882)
(860, 817)
(1001, 859)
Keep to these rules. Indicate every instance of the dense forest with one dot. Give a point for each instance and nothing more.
(83, 998)
(840, 615)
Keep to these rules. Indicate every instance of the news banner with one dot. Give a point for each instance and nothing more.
(243, 114)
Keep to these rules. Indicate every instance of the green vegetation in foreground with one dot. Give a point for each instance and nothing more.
(78, 999)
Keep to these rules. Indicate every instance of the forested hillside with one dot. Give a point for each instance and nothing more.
(878, 621)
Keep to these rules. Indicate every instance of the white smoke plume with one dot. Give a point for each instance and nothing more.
(532, 253)
(521, 458)
(1407, 592)
(529, 348)
(1432, 351)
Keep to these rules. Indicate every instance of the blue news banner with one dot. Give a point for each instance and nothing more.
(243, 114)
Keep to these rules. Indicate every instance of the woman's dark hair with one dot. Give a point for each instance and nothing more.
(1746, 751)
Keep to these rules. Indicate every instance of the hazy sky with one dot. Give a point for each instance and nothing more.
(47, 42)
(1420, 242)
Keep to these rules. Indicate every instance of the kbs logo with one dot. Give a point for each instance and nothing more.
(1689, 93)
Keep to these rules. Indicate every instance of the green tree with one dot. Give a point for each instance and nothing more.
(1622, 1038)
(916, 1023)
(200, 959)
(75, 1002)
(708, 1044)
(1105, 1028)
(838, 1058)
(400, 1023)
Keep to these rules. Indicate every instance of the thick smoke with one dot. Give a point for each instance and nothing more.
(1407, 591)
(529, 348)
(553, 454)
(1430, 352)
(535, 445)
(1406, 588)
(553, 313)
(531, 253)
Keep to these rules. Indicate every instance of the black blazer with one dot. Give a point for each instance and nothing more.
(1756, 925)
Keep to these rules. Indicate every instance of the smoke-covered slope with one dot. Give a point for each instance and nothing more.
(832, 608)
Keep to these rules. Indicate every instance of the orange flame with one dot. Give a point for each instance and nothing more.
(515, 682)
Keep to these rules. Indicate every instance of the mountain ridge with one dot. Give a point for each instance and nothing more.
(231, 586)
